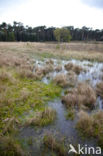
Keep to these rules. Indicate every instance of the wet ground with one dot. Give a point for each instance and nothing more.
(63, 127)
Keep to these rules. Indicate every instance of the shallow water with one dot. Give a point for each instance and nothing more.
(61, 126)
(93, 72)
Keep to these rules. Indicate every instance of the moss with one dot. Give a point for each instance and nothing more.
(23, 96)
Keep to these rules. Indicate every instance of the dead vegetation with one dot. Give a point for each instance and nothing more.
(72, 78)
(58, 68)
(6, 77)
(99, 89)
(10, 147)
(83, 94)
(61, 80)
(55, 145)
(65, 80)
(50, 62)
(91, 125)
(75, 68)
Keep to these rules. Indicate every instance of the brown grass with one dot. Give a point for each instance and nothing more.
(49, 62)
(75, 68)
(58, 68)
(91, 125)
(6, 77)
(65, 80)
(55, 145)
(99, 89)
(77, 50)
(72, 78)
(61, 80)
(85, 123)
(82, 95)
(9, 147)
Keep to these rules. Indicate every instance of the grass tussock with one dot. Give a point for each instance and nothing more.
(50, 61)
(72, 78)
(65, 80)
(75, 68)
(91, 125)
(99, 89)
(83, 94)
(58, 68)
(40, 72)
(6, 77)
(61, 80)
(10, 147)
(26, 74)
(42, 118)
(55, 145)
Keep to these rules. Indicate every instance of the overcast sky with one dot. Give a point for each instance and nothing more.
(53, 12)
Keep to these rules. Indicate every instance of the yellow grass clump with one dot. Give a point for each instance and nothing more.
(83, 94)
(75, 68)
(61, 80)
(91, 125)
(55, 145)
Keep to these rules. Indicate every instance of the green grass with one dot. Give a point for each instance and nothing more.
(23, 95)
(41, 118)
(70, 114)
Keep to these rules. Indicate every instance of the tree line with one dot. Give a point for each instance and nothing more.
(19, 32)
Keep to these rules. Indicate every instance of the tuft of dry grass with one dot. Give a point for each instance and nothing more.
(49, 62)
(48, 68)
(72, 78)
(42, 118)
(83, 94)
(6, 77)
(75, 68)
(85, 123)
(99, 89)
(55, 145)
(10, 147)
(65, 80)
(91, 125)
(58, 68)
(29, 74)
(42, 71)
(61, 80)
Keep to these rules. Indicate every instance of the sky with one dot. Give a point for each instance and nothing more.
(56, 13)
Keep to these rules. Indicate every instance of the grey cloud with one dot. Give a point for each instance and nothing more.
(94, 3)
